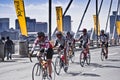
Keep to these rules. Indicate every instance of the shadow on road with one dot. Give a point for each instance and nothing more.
(74, 73)
(114, 60)
(110, 66)
(96, 65)
(90, 74)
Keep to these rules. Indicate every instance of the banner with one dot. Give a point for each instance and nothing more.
(118, 27)
(95, 29)
(59, 19)
(20, 11)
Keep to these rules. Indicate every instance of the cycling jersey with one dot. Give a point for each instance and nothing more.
(104, 38)
(44, 44)
(84, 39)
(61, 42)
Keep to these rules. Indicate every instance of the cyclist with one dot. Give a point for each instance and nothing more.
(70, 40)
(44, 44)
(62, 45)
(85, 39)
(104, 41)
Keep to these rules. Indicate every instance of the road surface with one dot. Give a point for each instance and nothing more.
(21, 68)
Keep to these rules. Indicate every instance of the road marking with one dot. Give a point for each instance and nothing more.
(112, 54)
(94, 69)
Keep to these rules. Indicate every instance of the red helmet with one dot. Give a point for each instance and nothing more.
(84, 30)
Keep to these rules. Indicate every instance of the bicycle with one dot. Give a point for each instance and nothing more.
(40, 68)
(60, 63)
(70, 55)
(103, 52)
(84, 56)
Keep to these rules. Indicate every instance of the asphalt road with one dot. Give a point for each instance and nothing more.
(21, 68)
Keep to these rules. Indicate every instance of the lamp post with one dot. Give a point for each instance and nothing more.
(50, 19)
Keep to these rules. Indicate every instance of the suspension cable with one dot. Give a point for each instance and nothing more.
(100, 7)
(84, 15)
(108, 15)
(116, 19)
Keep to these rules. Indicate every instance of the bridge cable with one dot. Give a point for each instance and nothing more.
(116, 19)
(108, 15)
(84, 15)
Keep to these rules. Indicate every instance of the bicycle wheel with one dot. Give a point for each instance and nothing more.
(73, 57)
(36, 71)
(53, 71)
(102, 55)
(88, 58)
(82, 59)
(58, 65)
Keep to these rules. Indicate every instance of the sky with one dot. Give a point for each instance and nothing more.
(38, 9)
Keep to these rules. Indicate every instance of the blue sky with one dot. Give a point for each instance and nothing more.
(39, 9)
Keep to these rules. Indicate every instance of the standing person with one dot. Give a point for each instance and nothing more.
(8, 48)
(2, 41)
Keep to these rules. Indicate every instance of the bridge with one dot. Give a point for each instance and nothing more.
(20, 68)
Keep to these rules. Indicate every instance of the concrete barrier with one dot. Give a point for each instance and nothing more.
(2, 55)
(23, 48)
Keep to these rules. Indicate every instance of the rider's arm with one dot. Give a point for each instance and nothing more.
(33, 47)
(56, 43)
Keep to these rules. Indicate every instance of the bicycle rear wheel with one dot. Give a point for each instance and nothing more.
(36, 71)
(82, 59)
(58, 65)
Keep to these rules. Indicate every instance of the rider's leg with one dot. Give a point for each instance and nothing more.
(65, 55)
(49, 66)
(49, 60)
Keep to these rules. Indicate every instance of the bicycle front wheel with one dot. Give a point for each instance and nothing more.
(36, 71)
(58, 65)
(82, 59)
(88, 58)
(73, 57)
(102, 55)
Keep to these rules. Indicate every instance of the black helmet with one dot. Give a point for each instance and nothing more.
(58, 33)
(68, 33)
(84, 30)
(41, 34)
(102, 31)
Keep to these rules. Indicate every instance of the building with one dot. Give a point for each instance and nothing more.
(4, 24)
(31, 23)
(67, 23)
(112, 23)
(13, 34)
(41, 26)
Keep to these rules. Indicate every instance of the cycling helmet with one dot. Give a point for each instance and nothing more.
(102, 31)
(41, 34)
(58, 33)
(84, 30)
(68, 33)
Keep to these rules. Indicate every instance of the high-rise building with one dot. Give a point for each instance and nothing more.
(31, 23)
(112, 23)
(67, 23)
(4, 24)
(41, 26)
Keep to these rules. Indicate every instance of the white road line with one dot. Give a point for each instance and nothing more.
(112, 54)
